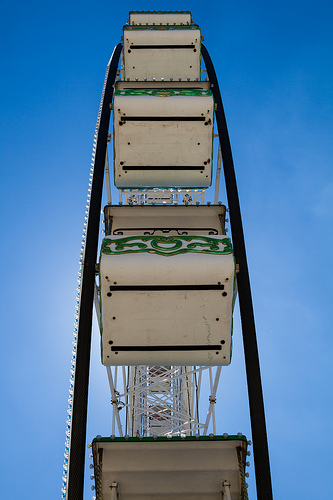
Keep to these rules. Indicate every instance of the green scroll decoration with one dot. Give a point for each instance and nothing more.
(167, 245)
(164, 92)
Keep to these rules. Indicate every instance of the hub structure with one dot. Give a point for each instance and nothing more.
(164, 280)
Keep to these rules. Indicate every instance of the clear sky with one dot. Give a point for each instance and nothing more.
(274, 64)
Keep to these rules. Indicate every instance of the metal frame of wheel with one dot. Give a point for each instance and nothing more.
(76, 461)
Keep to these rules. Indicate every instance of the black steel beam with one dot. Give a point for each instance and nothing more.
(256, 401)
(75, 481)
(205, 347)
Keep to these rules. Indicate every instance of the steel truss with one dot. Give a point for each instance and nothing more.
(160, 400)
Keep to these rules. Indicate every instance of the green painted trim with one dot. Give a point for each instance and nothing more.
(232, 437)
(147, 188)
(154, 245)
(152, 12)
(163, 92)
(150, 27)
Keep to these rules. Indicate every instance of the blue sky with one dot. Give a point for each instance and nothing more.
(274, 64)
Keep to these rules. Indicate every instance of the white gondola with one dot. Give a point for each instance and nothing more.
(161, 47)
(163, 138)
(206, 468)
(155, 18)
(167, 292)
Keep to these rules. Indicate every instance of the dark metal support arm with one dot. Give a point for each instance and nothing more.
(80, 397)
(256, 402)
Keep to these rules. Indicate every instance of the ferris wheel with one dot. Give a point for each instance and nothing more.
(164, 281)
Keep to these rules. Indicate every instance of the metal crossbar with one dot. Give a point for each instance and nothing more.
(160, 400)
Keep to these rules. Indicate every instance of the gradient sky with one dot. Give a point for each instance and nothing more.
(274, 64)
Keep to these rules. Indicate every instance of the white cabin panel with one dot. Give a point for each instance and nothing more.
(159, 18)
(126, 220)
(163, 138)
(162, 53)
(191, 468)
(166, 300)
